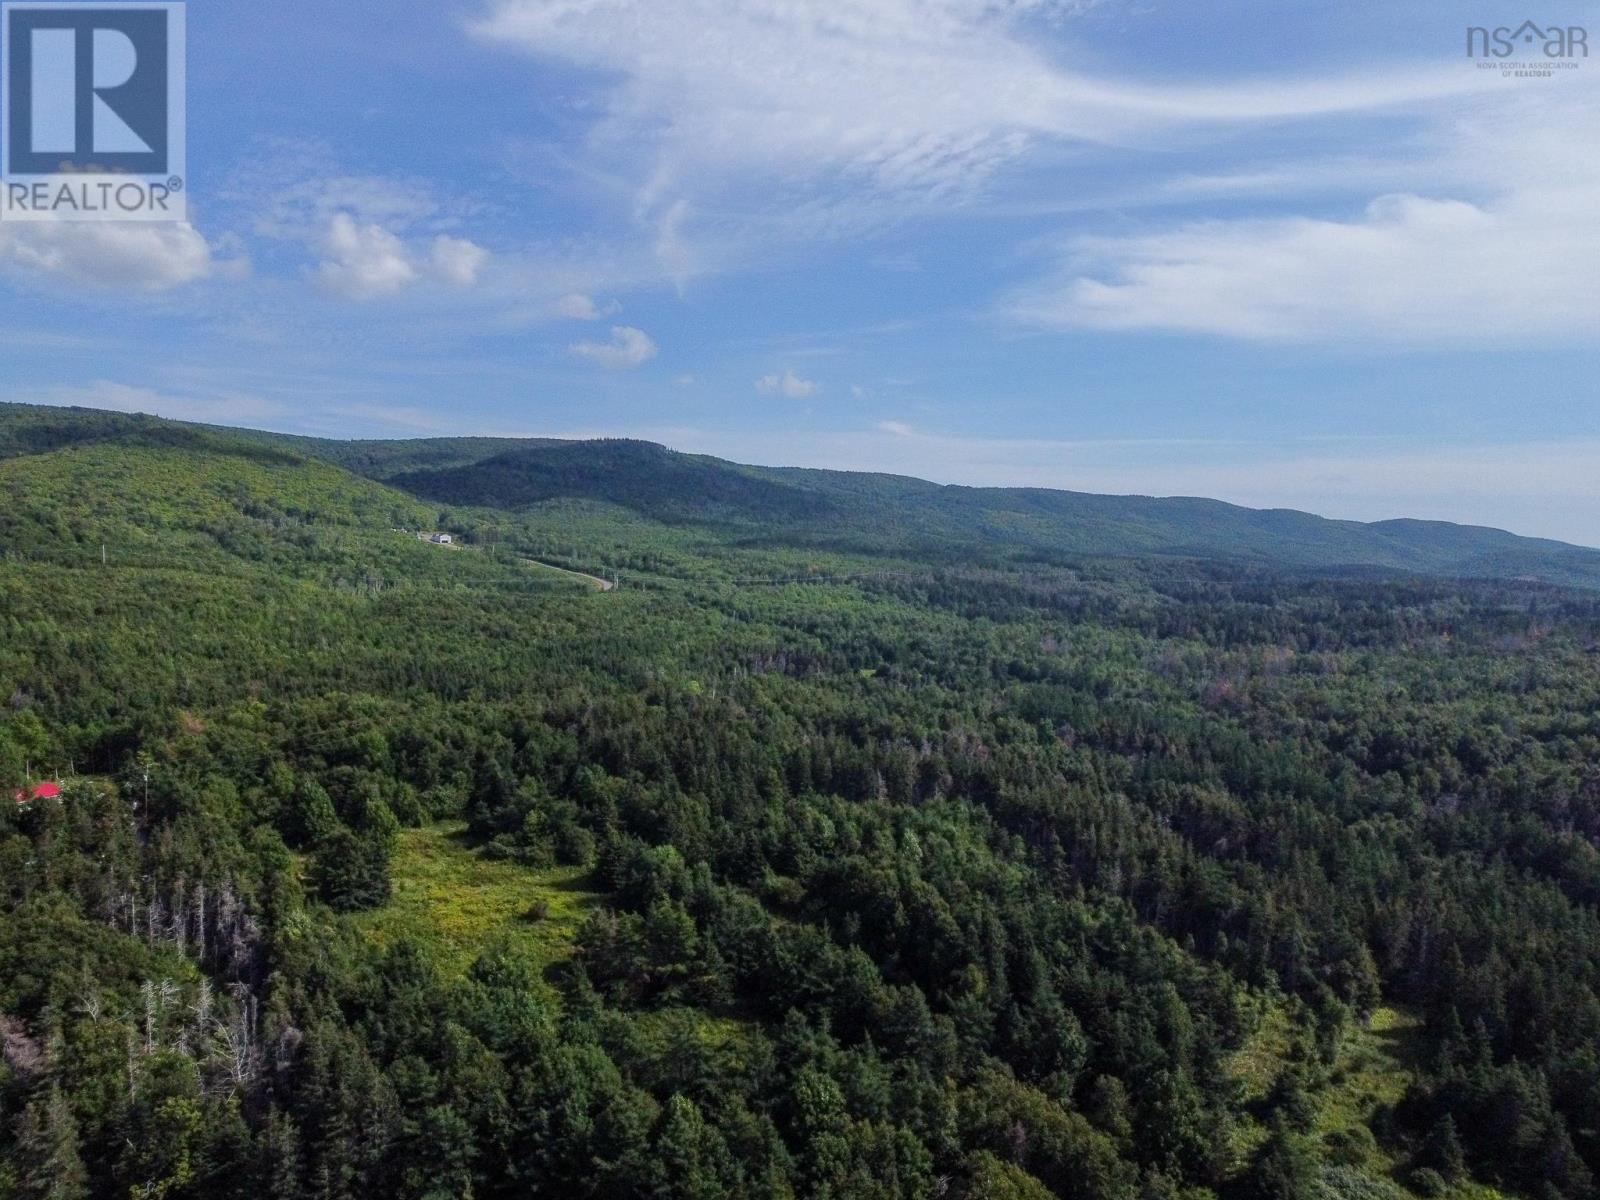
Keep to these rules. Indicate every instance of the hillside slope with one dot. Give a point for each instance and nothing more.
(885, 513)
(857, 512)
(186, 499)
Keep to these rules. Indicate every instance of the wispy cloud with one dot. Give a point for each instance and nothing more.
(1509, 251)
(788, 385)
(288, 189)
(628, 348)
(918, 94)
(821, 114)
(457, 260)
(576, 306)
(372, 236)
(1408, 268)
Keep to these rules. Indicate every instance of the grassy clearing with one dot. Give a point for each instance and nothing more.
(1376, 1066)
(1255, 1064)
(1374, 1070)
(1254, 1067)
(451, 899)
(715, 1032)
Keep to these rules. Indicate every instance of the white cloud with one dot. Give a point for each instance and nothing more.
(311, 203)
(375, 236)
(290, 189)
(740, 126)
(1506, 250)
(368, 261)
(363, 261)
(1408, 268)
(458, 261)
(577, 306)
(898, 428)
(532, 287)
(628, 347)
(810, 109)
(147, 257)
(789, 385)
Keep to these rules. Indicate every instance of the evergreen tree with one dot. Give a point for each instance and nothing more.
(48, 1158)
(1443, 1152)
(281, 1171)
(1284, 1169)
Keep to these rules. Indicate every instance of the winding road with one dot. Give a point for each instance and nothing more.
(604, 585)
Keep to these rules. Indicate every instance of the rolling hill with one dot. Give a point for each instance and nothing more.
(852, 512)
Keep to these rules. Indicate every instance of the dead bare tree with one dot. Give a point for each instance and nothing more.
(177, 923)
(90, 1002)
(157, 998)
(234, 1041)
(203, 952)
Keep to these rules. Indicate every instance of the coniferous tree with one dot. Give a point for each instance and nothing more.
(1443, 1151)
(48, 1155)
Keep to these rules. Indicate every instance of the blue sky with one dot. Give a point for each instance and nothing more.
(1287, 255)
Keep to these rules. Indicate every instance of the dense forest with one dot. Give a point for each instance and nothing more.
(968, 866)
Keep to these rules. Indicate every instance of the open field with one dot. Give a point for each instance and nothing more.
(451, 899)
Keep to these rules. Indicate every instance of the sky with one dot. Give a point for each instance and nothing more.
(1286, 255)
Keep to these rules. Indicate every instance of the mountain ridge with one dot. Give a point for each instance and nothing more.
(862, 512)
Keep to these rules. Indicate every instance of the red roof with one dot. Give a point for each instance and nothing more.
(42, 791)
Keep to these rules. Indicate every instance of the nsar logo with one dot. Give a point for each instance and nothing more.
(94, 126)
(1552, 41)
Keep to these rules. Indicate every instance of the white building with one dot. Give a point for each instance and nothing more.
(441, 539)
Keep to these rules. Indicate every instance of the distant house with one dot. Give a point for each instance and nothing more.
(441, 539)
(41, 791)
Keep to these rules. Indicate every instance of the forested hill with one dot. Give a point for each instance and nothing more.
(874, 513)
(860, 513)
(339, 863)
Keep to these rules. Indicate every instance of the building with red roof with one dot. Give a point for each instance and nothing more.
(40, 791)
